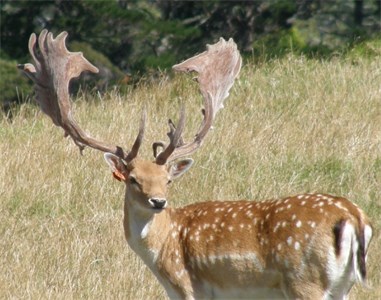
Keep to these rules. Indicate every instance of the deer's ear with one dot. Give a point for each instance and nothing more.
(179, 168)
(117, 166)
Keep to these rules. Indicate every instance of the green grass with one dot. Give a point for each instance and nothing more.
(289, 126)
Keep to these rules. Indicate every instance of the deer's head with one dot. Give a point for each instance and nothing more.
(146, 182)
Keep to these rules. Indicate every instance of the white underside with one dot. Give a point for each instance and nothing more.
(246, 293)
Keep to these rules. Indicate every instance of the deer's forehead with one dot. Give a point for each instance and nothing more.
(147, 169)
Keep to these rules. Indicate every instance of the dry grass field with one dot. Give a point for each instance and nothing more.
(289, 126)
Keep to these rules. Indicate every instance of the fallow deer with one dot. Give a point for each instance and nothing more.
(309, 246)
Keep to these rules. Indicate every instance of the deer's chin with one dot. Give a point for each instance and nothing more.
(157, 210)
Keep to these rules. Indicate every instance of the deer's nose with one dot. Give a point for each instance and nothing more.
(158, 203)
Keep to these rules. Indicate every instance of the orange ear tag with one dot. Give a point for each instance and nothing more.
(118, 175)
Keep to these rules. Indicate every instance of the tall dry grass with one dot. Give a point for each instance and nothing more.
(289, 126)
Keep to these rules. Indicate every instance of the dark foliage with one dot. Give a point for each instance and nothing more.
(132, 37)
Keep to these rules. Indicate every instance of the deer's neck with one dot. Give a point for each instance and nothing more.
(146, 232)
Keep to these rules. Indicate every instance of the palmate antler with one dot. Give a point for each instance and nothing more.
(217, 68)
(55, 66)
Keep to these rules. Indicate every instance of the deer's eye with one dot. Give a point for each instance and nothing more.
(133, 181)
(169, 182)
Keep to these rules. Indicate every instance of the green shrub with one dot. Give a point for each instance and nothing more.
(279, 43)
(366, 49)
(14, 86)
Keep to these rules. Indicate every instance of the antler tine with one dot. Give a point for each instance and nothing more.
(217, 68)
(54, 68)
(174, 136)
(161, 144)
(135, 148)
